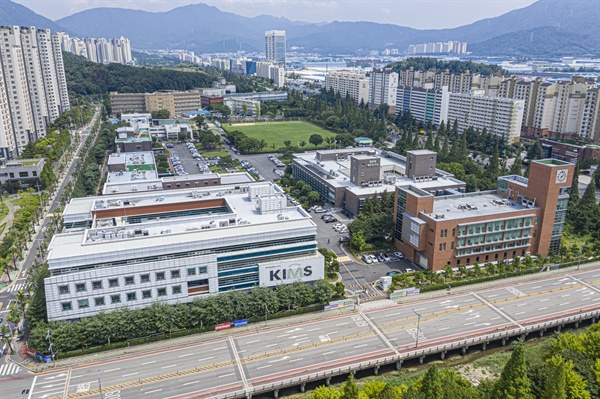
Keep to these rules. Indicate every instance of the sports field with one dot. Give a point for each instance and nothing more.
(278, 132)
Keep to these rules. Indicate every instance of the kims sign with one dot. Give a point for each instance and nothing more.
(285, 272)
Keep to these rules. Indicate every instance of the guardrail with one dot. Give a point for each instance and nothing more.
(415, 354)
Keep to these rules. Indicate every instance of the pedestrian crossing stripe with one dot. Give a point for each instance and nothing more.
(9, 369)
(343, 258)
(16, 287)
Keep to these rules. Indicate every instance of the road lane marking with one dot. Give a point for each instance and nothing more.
(564, 303)
(225, 375)
(238, 362)
(537, 286)
(190, 383)
(544, 300)
(313, 329)
(156, 390)
(280, 336)
(360, 346)
(543, 308)
(206, 358)
(519, 313)
(252, 342)
(296, 360)
(334, 332)
(187, 354)
(32, 386)
(108, 371)
(327, 353)
(491, 296)
(167, 367)
(268, 346)
(522, 304)
(341, 324)
(263, 367)
(564, 296)
(584, 283)
(378, 332)
(219, 348)
(154, 361)
(443, 328)
(128, 375)
(468, 324)
(495, 318)
(500, 312)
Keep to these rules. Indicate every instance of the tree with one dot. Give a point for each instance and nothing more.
(287, 143)
(556, 384)
(313, 197)
(349, 389)
(358, 241)
(161, 114)
(513, 382)
(324, 392)
(315, 139)
(244, 109)
(588, 200)
(575, 385)
(302, 143)
(517, 166)
(535, 151)
(431, 384)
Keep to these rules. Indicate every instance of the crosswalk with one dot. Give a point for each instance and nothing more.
(9, 369)
(16, 287)
(344, 259)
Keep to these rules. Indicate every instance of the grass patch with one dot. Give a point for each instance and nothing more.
(221, 154)
(2, 227)
(131, 168)
(278, 132)
(3, 210)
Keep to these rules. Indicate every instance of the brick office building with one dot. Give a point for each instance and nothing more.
(522, 216)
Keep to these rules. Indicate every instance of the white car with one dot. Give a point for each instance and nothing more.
(367, 259)
(399, 255)
(374, 259)
(409, 270)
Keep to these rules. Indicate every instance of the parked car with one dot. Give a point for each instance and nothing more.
(409, 270)
(384, 257)
(380, 258)
(320, 210)
(399, 255)
(391, 273)
(344, 239)
(367, 259)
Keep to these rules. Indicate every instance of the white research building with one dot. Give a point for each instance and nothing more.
(132, 250)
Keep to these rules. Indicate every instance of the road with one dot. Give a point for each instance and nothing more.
(9, 293)
(250, 359)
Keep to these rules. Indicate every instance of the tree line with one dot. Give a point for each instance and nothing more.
(454, 66)
(569, 368)
(126, 324)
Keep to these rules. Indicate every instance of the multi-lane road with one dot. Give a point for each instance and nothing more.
(8, 295)
(250, 359)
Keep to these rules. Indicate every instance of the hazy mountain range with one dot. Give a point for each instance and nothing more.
(545, 28)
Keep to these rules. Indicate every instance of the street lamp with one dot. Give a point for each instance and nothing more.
(418, 327)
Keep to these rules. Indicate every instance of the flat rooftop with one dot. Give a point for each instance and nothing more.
(391, 165)
(471, 205)
(132, 139)
(144, 221)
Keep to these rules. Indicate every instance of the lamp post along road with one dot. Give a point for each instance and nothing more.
(418, 327)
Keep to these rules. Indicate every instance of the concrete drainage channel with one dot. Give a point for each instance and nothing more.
(419, 356)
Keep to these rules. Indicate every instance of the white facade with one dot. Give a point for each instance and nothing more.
(35, 87)
(355, 85)
(275, 46)
(270, 70)
(500, 116)
(101, 50)
(383, 88)
(426, 105)
(215, 239)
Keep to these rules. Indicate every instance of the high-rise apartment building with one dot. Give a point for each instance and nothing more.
(355, 85)
(34, 88)
(426, 105)
(382, 89)
(275, 45)
(116, 50)
(270, 70)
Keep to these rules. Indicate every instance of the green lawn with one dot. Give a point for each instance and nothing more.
(278, 132)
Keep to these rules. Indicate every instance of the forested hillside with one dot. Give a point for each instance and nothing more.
(426, 63)
(85, 78)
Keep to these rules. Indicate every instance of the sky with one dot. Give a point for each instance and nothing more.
(420, 14)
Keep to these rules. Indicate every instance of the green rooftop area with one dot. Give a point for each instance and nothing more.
(573, 142)
(132, 139)
(556, 162)
(147, 166)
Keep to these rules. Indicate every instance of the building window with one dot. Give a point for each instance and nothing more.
(145, 278)
(83, 303)
(113, 282)
(131, 296)
(129, 280)
(99, 301)
(191, 271)
(66, 306)
(176, 290)
(23, 174)
(146, 294)
(63, 289)
(160, 276)
(115, 299)
(161, 292)
(97, 285)
(175, 274)
(80, 287)
(202, 269)
(452, 245)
